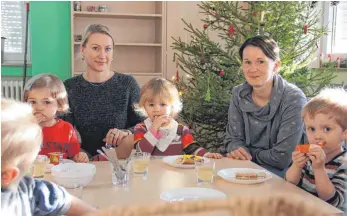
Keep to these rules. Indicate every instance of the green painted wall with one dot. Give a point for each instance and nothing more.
(50, 40)
(14, 71)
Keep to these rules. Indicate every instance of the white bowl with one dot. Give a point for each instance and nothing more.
(71, 175)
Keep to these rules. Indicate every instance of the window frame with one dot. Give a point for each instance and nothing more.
(327, 39)
(18, 58)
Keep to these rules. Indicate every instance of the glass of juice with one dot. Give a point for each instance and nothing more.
(140, 162)
(38, 168)
(205, 169)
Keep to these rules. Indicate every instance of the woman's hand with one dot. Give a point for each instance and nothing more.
(239, 154)
(81, 157)
(213, 155)
(114, 136)
(299, 159)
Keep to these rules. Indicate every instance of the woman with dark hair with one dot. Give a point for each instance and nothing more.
(264, 119)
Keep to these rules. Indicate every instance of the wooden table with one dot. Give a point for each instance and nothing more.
(161, 177)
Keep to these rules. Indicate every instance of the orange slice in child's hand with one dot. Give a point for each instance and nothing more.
(305, 148)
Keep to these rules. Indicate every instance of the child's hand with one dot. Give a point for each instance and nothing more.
(39, 117)
(213, 155)
(317, 156)
(299, 159)
(81, 158)
(160, 121)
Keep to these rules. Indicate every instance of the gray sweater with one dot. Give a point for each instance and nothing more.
(268, 133)
(95, 108)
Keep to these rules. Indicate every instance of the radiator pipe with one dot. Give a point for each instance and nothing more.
(26, 44)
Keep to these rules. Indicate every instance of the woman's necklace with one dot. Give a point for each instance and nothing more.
(98, 83)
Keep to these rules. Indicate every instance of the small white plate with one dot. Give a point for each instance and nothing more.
(229, 175)
(49, 166)
(191, 194)
(170, 160)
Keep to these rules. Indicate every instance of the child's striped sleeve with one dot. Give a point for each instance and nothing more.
(189, 145)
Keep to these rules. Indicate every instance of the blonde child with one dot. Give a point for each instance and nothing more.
(47, 95)
(160, 134)
(322, 171)
(21, 138)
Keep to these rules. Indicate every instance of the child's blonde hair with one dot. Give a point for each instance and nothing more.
(162, 88)
(332, 101)
(51, 82)
(21, 136)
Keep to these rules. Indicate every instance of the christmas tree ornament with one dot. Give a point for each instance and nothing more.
(208, 91)
(205, 26)
(305, 29)
(221, 73)
(255, 14)
(177, 73)
(180, 93)
(231, 31)
(329, 58)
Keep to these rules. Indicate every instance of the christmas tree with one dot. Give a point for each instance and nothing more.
(213, 68)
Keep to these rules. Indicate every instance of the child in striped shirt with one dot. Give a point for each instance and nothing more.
(160, 134)
(322, 171)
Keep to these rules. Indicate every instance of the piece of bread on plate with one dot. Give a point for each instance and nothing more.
(249, 175)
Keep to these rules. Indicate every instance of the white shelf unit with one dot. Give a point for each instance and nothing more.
(139, 31)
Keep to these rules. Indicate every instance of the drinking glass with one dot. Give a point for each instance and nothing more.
(38, 168)
(120, 174)
(140, 162)
(205, 169)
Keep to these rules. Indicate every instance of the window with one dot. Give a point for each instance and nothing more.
(13, 22)
(335, 17)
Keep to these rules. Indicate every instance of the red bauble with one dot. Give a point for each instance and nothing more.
(305, 29)
(255, 13)
(232, 30)
(221, 73)
(205, 26)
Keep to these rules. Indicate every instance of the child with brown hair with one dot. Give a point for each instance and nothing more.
(21, 138)
(160, 134)
(322, 171)
(47, 95)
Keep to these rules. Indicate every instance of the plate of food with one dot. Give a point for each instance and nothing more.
(191, 194)
(244, 175)
(182, 161)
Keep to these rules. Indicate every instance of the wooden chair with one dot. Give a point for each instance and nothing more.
(273, 205)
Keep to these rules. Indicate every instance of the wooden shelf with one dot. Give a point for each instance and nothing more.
(131, 44)
(140, 33)
(116, 15)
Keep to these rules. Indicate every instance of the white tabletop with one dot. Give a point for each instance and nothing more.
(161, 177)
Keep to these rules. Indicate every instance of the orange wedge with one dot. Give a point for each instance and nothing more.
(305, 148)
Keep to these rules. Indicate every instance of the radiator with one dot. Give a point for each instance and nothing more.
(12, 89)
